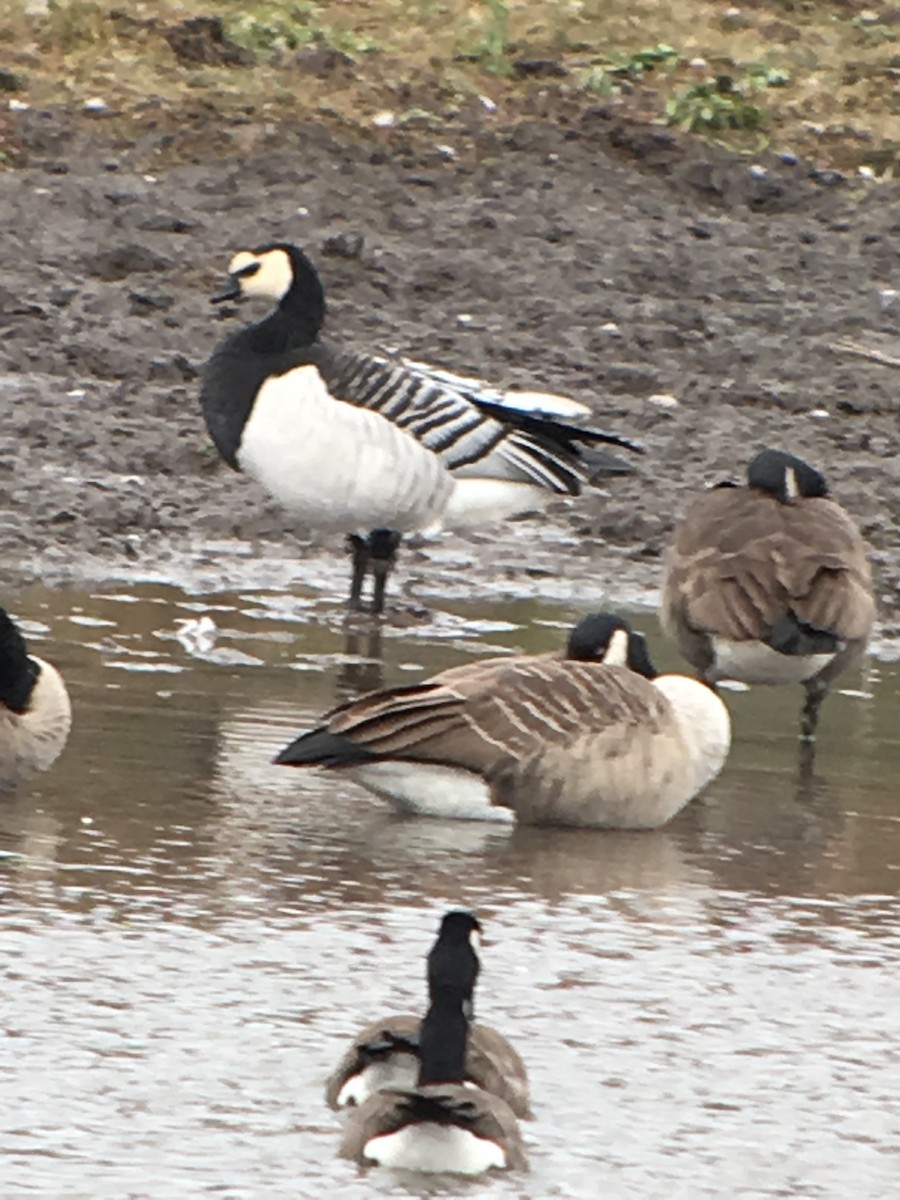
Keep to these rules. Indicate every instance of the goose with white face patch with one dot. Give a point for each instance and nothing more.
(35, 712)
(770, 583)
(441, 1123)
(385, 1053)
(595, 739)
(374, 447)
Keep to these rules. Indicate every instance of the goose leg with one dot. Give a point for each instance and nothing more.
(383, 547)
(816, 691)
(359, 551)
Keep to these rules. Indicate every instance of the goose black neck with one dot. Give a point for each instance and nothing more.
(443, 1039)
(18, 672)
(453, 967)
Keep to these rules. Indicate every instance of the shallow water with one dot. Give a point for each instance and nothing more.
(188, 932)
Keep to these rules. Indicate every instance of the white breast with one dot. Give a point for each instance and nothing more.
(32, 741)
(753, 662)
(338, 467)
(436, 1148)
(430, 790)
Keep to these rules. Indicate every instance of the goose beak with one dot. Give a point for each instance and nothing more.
(230, 290)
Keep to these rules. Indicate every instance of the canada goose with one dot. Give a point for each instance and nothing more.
(369, 446)
(386, 1052)
(443, 1123)
(35, 713)
(770, 582)
(559, 741)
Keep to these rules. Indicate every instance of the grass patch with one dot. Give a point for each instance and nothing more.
(816, 78)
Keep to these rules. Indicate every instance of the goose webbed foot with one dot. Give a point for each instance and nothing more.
(376, 553)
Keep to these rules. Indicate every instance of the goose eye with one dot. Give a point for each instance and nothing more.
(246, 272)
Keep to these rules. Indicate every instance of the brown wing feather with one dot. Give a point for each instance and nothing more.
(400, 1025)
(740, 560)
(485, 713)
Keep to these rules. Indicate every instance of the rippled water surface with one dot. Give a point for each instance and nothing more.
(188, 932)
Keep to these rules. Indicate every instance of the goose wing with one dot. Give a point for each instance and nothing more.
(472, 433)
(396, 1034)
(485, 716)
(740, 561)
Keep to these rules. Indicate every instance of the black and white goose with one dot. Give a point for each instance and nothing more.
(35, 712)
(374, 447)
(594, 739)
(442, 1123)
(385, 1053)
(770, 582)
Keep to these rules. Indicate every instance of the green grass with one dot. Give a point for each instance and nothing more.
(819, 78)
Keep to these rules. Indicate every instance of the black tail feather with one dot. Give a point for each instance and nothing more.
(320, 748)
(789, 635)
(558, 433)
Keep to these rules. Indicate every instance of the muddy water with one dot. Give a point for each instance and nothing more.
(188, 932)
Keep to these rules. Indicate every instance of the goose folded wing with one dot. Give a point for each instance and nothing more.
(478, 717)
(470, 434)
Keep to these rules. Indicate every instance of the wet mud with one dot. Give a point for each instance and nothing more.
(696, 300)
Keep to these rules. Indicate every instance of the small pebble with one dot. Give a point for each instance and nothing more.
(18, 106)
(758, 171)
(819, 414)
(384, 120)
(95, 105)
(663, 400)
(488, 103)
(465, 318)
(611, 328)
(446, 152)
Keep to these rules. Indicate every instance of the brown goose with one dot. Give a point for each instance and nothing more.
(559, 741)
(770, 582)
(35, 713)
(443, 1123)
(385, 1054)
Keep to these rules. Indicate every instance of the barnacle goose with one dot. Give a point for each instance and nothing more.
(594, 739)
(35, 713)
(770, 582)
(370, 446)
(440, 1122)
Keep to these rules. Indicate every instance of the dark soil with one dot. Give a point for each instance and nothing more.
(570, 253)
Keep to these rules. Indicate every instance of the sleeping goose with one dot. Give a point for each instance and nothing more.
(386, 1052)
(35, 713)
(606, 743)
(770, 582)
(374, 447)
(440, 1123)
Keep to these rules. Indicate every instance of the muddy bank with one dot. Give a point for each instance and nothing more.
(613, 263)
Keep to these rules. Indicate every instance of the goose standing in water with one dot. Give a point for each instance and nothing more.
(443, 1123)
(595, 739)
(372, 447)
(385, 1053)
(35, 712)
(770, 582)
